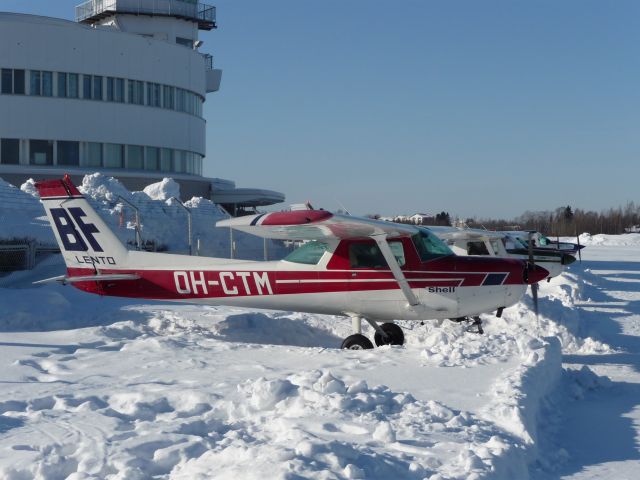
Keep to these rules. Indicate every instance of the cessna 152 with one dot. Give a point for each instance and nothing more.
(357, 267)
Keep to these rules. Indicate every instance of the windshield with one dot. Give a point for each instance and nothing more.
(310, 253)
(429, 246)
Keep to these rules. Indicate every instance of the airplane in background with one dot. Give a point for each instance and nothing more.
(542, 242)
(472, 241)
(361, 268)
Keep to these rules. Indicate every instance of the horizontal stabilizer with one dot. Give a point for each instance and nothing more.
(90, 278)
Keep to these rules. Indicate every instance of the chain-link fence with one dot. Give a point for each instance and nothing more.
(23, 254)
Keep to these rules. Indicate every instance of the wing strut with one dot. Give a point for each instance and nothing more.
(381, 240)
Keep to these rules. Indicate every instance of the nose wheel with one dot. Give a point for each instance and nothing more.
(385, 334)
(391, 334)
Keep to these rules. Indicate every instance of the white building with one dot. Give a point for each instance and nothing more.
(120, 91)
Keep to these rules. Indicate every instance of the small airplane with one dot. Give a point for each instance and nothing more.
(472, 241)
(541, 242)
(357, 267)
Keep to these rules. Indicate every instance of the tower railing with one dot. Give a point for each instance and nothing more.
(92, 11)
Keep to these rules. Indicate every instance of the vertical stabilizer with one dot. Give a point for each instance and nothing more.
(84, 238)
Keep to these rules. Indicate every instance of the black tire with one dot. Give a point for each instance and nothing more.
(357, 342)
(394, 335)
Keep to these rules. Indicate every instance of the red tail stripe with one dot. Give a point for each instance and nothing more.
(57, 188)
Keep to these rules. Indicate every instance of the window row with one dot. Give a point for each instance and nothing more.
(97, 87)
(100, 155)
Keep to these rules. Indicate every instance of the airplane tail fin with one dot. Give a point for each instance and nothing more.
(84, 238)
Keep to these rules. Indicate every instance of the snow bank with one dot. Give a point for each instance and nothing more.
(163, 190)
(22, 216)
(605, 240)
(164, 222)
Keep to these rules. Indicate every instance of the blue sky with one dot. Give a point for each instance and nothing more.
(482, 108)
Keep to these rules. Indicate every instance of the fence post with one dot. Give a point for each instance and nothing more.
(137, 217)
(189, 226)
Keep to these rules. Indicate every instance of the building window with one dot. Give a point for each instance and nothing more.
(113, 155)
(18, 82)
(115, 89)
(87, 87)
(166, 160)
(135, 157)
(179, 161)
(47, 84)
(94, 154)
(68, 153)
(97, 87)
(41, 152)
(62, 85)
(36, 83)
(185, 42)
(73, 85)
(7, 80)
(153, 94)
(13, 81)
(152, 160)
(10, 151)
(180, 100)
(168, 97)
(136, 92)
(41, 83)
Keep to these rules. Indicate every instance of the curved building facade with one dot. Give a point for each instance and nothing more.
(120, 91)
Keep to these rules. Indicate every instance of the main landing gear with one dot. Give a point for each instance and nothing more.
(385, 334)
(474, 324)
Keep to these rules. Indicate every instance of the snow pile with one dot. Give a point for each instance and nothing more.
(163, 190)
(163, 221)
(22, 216)
(601, 239)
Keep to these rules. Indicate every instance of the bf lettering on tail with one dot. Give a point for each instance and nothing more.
(74, 238)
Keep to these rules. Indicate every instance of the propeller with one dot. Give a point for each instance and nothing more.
(531, 266)
(579, 246)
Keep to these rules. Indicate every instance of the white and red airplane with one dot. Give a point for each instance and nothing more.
(357, 267)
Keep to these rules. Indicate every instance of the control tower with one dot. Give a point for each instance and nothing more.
(172, 21)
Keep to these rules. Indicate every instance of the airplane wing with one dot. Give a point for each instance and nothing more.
(451, 233)
(315, 225)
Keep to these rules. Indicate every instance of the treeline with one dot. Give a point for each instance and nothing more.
(565, 221)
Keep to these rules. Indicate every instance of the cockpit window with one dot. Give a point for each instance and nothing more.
(310, 253)
(368, 255)
(429, 246)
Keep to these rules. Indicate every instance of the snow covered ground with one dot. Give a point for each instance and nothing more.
(113, 388)
(104, 388)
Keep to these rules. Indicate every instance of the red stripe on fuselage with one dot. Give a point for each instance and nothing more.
(186, 284)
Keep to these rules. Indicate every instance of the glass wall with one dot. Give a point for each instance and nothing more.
(100, 155)
(135, 157)
(10, 151)
(113, 155)
(91, 87)
(41, 152)
(93, 157)
(68, 153)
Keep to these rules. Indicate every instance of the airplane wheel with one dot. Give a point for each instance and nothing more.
(357, 342)
(394, 335)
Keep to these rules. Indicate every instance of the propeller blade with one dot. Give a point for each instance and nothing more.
(579, 247)
(534, 286)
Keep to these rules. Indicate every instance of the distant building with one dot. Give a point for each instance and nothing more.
(120, 91)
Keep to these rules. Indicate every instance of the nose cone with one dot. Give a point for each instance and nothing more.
(534, 273)
(567, 259)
